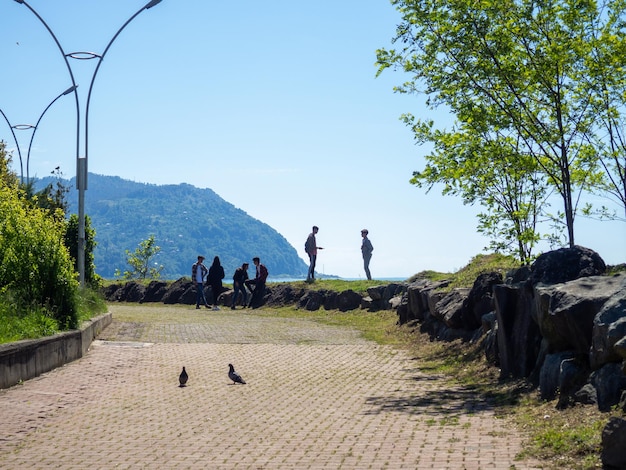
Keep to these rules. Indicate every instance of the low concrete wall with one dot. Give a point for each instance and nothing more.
(23, 360)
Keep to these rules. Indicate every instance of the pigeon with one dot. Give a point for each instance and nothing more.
(182, 378)
(234, 376)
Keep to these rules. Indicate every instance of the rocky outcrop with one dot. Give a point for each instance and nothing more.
(560, 323)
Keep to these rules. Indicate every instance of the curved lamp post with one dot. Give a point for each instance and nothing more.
(81, 163)
(36, 126)
(17, 144)
(30, 126)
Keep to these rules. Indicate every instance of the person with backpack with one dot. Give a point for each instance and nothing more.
(366, 250)
(311, 248)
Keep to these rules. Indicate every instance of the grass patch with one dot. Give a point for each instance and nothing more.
(17, 323)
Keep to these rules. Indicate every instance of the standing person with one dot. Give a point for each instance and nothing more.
(311, 249)
(366, 250)
(258, 282)
(239, 279)
(214, 279)
(198, 273)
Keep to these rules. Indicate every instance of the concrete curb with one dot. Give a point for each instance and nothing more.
(23, 360)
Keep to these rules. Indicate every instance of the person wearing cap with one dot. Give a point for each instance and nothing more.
(366, 250)
(198, 273)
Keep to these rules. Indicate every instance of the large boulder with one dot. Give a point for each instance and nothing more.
(450, 308)
(609, 383)
(519, 340)
(609, 327)
(348, 300)
(566, 264)
(181, 291)
(480, 299)
(614, 443)
(566, 312)
(155, 291)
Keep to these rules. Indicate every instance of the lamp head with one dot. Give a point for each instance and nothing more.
(148, 6)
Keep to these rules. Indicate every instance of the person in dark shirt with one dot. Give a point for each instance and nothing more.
(239, 279)
(258, 282)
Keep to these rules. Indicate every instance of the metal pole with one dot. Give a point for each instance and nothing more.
(36, 126)
(17, 144)
(81, 163)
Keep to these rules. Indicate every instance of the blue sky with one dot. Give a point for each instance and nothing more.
(273, 105)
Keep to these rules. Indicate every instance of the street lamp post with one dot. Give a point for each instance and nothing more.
(81, 162)
(34, 128)
(17, 144)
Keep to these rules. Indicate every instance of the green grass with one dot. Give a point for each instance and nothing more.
(16, 324)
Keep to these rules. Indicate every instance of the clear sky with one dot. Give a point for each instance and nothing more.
(274, 105)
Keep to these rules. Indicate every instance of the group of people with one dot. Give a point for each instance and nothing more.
(310, 246)
(214, 275)
(241, 283)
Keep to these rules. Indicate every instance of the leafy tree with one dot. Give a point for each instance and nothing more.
(140, 261)
(71, 241)
(518, 68)
(493, 173)
(35, 267)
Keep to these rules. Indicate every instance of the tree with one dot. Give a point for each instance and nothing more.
(493, 173)
(35, 267)
(520, 69)
(140, 261)
(71, 241)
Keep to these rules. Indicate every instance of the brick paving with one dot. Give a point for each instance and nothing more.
(317, 397)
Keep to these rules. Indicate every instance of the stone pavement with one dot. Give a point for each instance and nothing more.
(317, 397)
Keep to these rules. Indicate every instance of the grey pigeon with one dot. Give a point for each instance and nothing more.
(234, 376)
(183, 377)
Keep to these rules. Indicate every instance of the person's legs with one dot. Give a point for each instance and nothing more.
(366, 266)
(200, 295)
(311, 274)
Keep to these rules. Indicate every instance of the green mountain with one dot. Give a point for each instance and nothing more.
(186, 222)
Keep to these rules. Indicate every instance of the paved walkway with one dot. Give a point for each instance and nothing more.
(317, 397)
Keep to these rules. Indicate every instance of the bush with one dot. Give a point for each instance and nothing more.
(36, 270)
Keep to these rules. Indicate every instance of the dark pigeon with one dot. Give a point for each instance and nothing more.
(183, 377)
(234, 376)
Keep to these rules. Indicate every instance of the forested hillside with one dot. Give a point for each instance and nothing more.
(186, 221)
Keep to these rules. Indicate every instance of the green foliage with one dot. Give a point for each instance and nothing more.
(71, 241)
(140, 261)
(35, 266)
(479, 264)
(36, 275)
(524, 81)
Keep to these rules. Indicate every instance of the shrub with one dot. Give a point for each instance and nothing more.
(35, 266)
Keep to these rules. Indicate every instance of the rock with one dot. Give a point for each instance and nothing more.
(133, 292)
(312, 300)
(609, 327)
(376, 292)
(181, 291)
(566, 264)
(450, 308)
(549, 378)
(155, 291)
(480, 299)
(609, 382)
(519, 340)
(613, 444)
(566, 312)
(348, 300)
